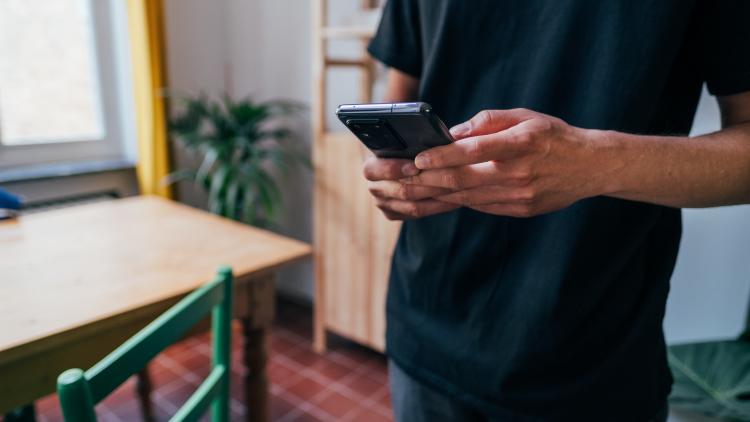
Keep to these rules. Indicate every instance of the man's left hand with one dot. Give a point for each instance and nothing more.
(514, 162)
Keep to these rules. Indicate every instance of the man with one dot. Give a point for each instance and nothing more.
(530, 278)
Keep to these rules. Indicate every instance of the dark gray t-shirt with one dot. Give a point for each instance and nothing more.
(555, 317)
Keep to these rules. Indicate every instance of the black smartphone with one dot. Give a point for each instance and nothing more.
(395, 130)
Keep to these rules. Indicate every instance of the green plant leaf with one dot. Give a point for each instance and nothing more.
(712, 378)
(209, 159)
(218, 185)
(248, 207)
(234, 192)
(241, 144)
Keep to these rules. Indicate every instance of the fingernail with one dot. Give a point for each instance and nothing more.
(459, 129)
(409, 170)
(422, 161)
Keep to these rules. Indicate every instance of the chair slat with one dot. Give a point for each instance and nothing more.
(199, 401)
(137, 351)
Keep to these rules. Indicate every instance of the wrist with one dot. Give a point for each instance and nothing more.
(607, 161)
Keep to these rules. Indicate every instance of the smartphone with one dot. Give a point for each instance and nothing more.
(395, 130)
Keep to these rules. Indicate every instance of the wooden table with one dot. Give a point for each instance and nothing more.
(77, 282)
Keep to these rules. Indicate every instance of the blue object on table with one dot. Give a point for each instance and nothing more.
(9, 201)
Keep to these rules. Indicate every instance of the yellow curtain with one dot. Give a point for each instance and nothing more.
(146, 27)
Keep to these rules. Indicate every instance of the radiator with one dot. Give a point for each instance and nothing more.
(68, 201)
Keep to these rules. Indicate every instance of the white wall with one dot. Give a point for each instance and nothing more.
(263, 48)
(259, 48)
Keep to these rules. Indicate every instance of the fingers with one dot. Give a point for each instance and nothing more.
(413, 209)
(388, 168)
(475, 175)
(490, 121)
(510, 210)
(397, 190)
(394, 216)
(486, 195)
(507, 144)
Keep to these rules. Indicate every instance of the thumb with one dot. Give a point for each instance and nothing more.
(490, 121)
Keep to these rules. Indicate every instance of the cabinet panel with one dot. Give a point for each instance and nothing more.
(353, 242)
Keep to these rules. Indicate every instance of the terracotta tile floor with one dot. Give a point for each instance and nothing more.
(348, 383)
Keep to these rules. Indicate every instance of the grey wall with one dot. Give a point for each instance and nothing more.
(263, 48)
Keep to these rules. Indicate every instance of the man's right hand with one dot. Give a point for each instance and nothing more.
(397, 200)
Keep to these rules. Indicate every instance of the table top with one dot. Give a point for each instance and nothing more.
(64, 270)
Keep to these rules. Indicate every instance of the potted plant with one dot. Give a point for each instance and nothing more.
(243, 146)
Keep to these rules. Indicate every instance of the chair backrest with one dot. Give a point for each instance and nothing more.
(80, 390)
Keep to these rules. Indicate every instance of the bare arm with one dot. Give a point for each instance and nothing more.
(704, 171)
(400, 87)
(523, 163)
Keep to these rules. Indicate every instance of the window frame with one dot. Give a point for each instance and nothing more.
(112, 68)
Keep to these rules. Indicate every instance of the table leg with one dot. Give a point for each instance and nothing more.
(256, 382)
(22, 414)
(143, 388)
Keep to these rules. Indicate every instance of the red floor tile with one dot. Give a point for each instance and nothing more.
(337, 405)
(370, 415)
(305, 388)
(279, 407)
(331, 370)
(364, 385)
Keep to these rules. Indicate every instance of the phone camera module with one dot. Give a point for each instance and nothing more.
(375, 135)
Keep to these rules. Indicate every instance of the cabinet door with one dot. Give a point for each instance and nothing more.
(354, 243)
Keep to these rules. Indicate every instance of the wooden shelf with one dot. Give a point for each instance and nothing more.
(353, 241)
(344, 32)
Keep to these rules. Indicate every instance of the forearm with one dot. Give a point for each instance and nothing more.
(705, 171)
(400, 87)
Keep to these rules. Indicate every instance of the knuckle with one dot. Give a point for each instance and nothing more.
(403, 191)
(367, 171)
(527, 196)
(484, 117)
(373, 188)
(481, 119)
(524, 138)
(464, 198)
(413, 209)
(521, 177)
(370, 169)
(376, 169)
(476, 148)
(544, 125)
(451, 180)
(525, 211)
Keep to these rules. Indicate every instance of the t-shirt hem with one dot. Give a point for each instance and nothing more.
(448, 389)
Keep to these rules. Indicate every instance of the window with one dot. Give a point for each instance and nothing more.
(65, 93)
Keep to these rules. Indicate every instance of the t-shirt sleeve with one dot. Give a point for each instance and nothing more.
(726, 56)
(397, 41)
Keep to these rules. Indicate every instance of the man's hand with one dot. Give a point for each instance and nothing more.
(511, 162)
(400, 201)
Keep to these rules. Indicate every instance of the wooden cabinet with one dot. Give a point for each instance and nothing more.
(353, 241)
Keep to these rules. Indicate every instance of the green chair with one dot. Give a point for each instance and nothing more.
(80, 390)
